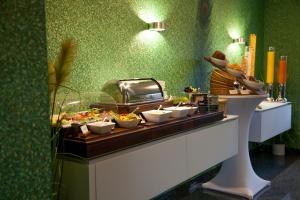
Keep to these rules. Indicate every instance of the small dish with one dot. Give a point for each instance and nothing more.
(101, 127)
(128, 123)
(245, 91)
(234, 92)
(157, 115)
(178, 112)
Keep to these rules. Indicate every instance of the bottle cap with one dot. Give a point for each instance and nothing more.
(271, 48)
(283, 57)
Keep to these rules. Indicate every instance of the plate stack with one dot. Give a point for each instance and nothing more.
(221, 82)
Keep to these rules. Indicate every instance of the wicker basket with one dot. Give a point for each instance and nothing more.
(221, 82)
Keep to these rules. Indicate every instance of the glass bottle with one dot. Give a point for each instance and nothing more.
(281, 78)
(248, 58)
(270, 72)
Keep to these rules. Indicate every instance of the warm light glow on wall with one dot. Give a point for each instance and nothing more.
(150, 11)
(233, 47)
(148, 43)
(234, 32)
(148, 16)
(148, 37)
(234, 51)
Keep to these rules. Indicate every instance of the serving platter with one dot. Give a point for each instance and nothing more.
(91, 146)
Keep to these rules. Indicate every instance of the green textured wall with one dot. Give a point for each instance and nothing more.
(25, 171)
(282, 29)
(112, 43)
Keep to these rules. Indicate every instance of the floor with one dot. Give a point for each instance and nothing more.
(264, 163)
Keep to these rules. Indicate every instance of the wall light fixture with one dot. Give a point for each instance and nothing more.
(240, 40)
(157, 26)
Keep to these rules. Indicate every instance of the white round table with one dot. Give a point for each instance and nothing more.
(237, 176)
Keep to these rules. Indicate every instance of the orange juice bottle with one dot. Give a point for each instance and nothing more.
(270, 65)
(253, 52)
(282, 70)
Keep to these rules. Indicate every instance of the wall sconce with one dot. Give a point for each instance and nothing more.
(239, 40)
(157, 26)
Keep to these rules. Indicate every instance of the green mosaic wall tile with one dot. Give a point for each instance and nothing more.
(282, 28)
(25, 171)
(113, 44)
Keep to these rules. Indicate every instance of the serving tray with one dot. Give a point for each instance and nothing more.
(93, 145)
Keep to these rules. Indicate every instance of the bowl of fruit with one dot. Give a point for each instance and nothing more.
(128, 120)
(101, 127)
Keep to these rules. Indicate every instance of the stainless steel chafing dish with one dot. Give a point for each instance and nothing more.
(134, 91)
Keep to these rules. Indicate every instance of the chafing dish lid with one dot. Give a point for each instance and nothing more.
(134, 90)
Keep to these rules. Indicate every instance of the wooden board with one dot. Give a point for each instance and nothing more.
(121, 138)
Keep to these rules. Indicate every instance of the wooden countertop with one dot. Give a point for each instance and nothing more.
(95, 145)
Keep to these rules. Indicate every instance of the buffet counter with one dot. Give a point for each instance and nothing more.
(144, 162)
(276, 113)
(95, 145)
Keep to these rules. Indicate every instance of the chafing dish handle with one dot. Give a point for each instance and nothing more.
(125, 95)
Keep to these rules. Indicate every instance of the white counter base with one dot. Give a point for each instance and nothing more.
(272, 119)
(145, 171)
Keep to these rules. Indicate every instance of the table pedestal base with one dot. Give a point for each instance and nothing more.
(248, 192)
(237, 176)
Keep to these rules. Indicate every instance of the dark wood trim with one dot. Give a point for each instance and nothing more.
(121, 138)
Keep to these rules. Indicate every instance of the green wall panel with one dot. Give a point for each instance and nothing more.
(282, 28)
(25, 171)
(113, 42)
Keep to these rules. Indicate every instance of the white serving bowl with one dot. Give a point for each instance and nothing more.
(157, 115)
(128, 123)
(100, 127)
(192, 109)
(178, 112)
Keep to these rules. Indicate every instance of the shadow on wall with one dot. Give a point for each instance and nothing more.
(202, 45)
(204, 12)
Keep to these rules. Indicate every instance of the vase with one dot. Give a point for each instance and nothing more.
(278, 149)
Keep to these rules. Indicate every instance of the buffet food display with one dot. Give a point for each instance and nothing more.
(107, 137)
(134, 112)
(82, 117)
(100, 121)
